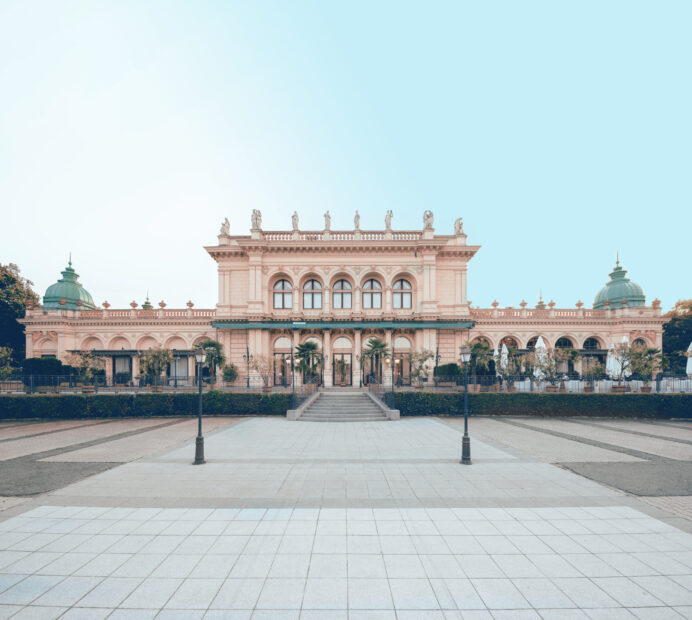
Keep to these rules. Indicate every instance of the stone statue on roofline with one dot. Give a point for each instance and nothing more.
(225, 227)
(428, 219)
(388, 220)
(294, 220)
(256, 219)
(327, 221)
(356, 220)
(459, 226)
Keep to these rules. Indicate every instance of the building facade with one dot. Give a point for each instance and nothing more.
(338, 289)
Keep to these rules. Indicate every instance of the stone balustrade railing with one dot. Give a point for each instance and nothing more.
(341, 235)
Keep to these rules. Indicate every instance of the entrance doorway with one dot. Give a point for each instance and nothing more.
(342, 374)
(282, 369)
(372, 370)
(402, 369)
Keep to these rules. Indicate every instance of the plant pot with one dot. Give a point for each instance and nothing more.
(588, 388)
(552, 389)
(645, 389)
(157, 389)
(88, 389)
(511, 388)
(266, 388)
(618, 389)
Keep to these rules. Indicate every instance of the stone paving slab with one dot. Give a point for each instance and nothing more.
(650, 445)
(53, 441)
(543, 447)
(14, 431)
(363, 521)
(132, 448)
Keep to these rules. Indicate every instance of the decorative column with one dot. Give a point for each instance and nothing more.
(388, 299)
(135, 366)
(356, 358)
(356, 299)
(191, 366)
(327, 352)
(326, 302)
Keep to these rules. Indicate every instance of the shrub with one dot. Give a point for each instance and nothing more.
(447, 370)
(603, 405)
(42, 366)
(144, 405)
(230, 373)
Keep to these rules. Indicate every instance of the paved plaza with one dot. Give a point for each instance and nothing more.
(353, 521)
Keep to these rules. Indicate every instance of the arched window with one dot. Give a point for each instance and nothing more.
(531, 344)
(509, 342)
(401, 297)
(591, 344)
(341, 297)
(372, 294)
(563, 343)
(283, 295)
(312, 295)
(639, 342)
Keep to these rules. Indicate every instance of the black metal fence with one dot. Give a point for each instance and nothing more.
(529, 383)
(104, 384)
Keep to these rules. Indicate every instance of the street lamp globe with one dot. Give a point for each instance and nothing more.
(200, 355)
(466, 354)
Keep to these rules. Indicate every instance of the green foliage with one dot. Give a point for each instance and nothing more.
(522, 404)
(87, 364)
(15, 295)
(215, 357)
(447, 370)
(42, 366)
(481, 356)
(677, 335)
(309, 358)
(643, 361)
(419, 363)
(230, 373)
(153, 363)
(592, 369)
(142, 405)
(5, 362)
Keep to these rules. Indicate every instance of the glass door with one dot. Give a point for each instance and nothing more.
(282, 369)
(342, 369)
(402, 369)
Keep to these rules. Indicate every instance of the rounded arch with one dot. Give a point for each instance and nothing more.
(592, 343)
(402, 294)
(373, 276)
(46, 346)
(402, 342)
(282, 342)
(147, 342)
(311, 276)
(342, 342)
(531, 342)
(564, 342)
(314, 339)
(510, 341)
(91, 342)
(281, 275)
(345, 276)
(197, 339)
(640, 342)
(175, 342)
(371, 291)
(482, 338)
(403, 275)
(119, 342)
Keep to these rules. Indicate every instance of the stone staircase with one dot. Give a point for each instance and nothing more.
(343, 406)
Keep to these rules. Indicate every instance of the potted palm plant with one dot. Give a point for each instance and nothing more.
(481, 356)
(374, 352)
(309, 361)
(152, 364)
(643, 362)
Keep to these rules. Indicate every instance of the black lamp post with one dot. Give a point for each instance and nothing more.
(200, 356)
(466, 441)
(248, 358)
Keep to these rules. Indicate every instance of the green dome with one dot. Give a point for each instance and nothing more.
(70, 290)
(618, 289)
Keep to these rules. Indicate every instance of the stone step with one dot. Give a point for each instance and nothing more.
(341, 406)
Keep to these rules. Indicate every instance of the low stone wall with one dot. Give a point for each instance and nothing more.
(555, 405)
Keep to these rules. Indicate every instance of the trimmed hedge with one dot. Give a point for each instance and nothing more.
(601, 405)
(129, 405)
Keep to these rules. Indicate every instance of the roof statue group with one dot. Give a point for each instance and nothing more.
(428, 221)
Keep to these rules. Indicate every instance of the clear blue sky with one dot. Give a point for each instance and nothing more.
(560, 131)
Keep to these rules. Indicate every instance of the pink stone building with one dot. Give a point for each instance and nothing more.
(278, 289)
